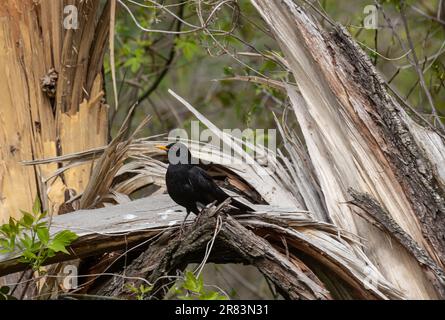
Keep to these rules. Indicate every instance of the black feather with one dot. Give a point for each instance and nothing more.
(189, 185)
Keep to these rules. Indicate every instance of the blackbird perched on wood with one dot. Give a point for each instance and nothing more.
(189, 185)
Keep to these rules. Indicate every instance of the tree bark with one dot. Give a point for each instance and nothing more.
(234, 243)
(358, 136)
(52, 97)
(374, 172)
(304, 257)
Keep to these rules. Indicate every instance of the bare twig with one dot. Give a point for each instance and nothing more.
(418, 69)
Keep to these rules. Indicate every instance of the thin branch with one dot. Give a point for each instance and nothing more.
(417, 67)
(168, 63)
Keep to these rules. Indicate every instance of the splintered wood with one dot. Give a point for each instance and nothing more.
(358, 136)
(44, 118)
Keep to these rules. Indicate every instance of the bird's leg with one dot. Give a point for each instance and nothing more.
(183, 222)
(201, 208)
(198, 216)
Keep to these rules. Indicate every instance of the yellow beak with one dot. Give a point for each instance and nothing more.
(162, 147)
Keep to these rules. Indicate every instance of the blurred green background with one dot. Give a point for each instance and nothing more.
(237, 43)
(193, 63)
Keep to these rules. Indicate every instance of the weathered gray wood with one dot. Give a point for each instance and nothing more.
(142, 214)
(375, 214)
(107, 229)
(113, 227)
(126, 225)
(235, 243)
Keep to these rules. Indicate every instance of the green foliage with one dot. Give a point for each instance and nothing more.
(188, 46)
(30, 235)
(399, 3)
(140, 292)
(142, 56)
(5, 293)
(228, 71)
(189, 288)
(438, 77)
(192, 288)
(135, 60)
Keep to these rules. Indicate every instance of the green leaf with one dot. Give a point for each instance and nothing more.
(12, 242)
(43, 214)
(188, 46)
(177, 291)
(57, 247)
(43, 234)
(61, 240)
(41, 225)
(4, 244)
(50, 253)
(26, 241)
(132, 288)
(144, 289)
(200, 284)
(37, 207)
(14, 226)
(24, 212)
(209, 296)
(4, 289)
(5, 230)
(65, 236)
(212, 295)
(134, 63)
(36, 246)
(228, 71)
(191, 283)
(29, 255)
(27, 220)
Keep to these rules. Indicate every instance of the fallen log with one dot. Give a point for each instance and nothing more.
(293, 240)
(235, 244)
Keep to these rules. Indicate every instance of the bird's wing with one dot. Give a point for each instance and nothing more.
(205, 187)
(208, 191)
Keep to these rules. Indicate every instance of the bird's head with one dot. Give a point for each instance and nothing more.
(178, 153)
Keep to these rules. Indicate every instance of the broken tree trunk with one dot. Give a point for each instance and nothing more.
(358, 136)
(374, 172)
(232, 243)
(52, 88)
(272, 239)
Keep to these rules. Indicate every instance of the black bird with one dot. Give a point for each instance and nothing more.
(189, 185)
